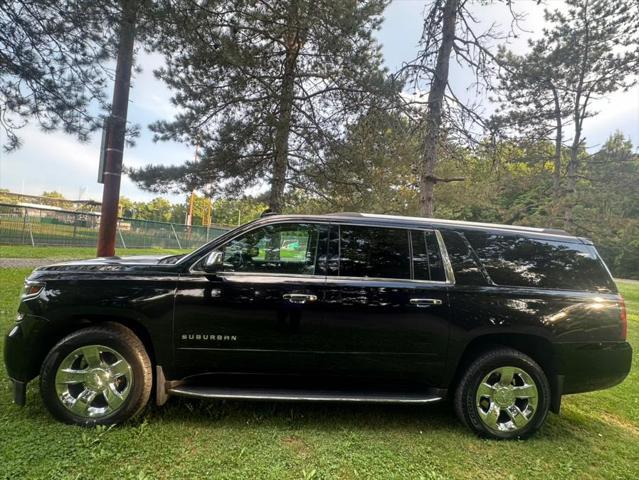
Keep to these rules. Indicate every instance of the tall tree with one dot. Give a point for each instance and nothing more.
(264, 88)
(598, 41)
(533, 103)
(53, 65)
(449, 32)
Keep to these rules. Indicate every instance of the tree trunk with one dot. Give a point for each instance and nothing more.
(280, 160)
(117, 132)
(579, 112)
(571, 174)
(434, 114)
(558, 142)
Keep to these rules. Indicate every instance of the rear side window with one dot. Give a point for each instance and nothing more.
(427, 259)
(464, 262)
(374, 252)
(528, 262)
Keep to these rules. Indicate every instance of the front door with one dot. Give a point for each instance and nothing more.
(262, 312)
(387, 301)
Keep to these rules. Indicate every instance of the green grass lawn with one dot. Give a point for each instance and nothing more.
(596, 436)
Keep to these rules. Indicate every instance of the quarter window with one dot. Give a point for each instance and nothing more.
(530, 262)
(374, 252)
(280, 248)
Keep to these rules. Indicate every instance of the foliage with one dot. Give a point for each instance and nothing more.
(53, 57)
(589, 50)
(372, 169)
(220, 211)
(450, 33)
(263, 88)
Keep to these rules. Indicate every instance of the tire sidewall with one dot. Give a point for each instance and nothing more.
(483, 368)
(76, 340)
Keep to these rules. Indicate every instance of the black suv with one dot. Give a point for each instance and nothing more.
(342, 307)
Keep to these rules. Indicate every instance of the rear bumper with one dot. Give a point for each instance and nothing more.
(592, 366)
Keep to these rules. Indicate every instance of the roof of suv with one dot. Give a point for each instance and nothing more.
(438, 222)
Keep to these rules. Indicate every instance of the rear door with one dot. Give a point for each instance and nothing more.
(387, 303)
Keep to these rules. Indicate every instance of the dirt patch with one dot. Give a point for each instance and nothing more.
(297, 444)
(621, 423)
(23, 262)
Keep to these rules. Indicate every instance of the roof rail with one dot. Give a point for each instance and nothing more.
(552, 231)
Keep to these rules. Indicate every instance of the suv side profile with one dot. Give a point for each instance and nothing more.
(503, 320)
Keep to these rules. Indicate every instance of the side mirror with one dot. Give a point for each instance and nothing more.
(213, 262)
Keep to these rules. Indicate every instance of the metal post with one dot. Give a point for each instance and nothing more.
(24, 224)
(113, 167)
(75, 226)
(121, 237)
(31, 235)
(176, 237)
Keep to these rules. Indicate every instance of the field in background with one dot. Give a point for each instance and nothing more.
(52, 226)
(596, 436)
(75, 253)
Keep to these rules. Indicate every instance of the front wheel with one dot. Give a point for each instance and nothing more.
(504, 394)
(99, 375)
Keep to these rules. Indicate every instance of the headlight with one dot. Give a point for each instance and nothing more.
(31, 289)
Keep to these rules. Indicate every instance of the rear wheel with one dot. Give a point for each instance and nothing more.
(97, 375)
(504, 394)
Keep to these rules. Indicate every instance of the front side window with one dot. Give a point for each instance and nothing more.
(374, 252)
(282, 248)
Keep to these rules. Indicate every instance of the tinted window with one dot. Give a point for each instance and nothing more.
(283, 248)
(529, 262)
(427, 259)
(374, 252)
(466, 268)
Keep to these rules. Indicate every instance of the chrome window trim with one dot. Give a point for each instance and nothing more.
(448, 267)
(334, 278)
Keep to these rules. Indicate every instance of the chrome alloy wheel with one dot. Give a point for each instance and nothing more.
(506, 399)
(93, 381)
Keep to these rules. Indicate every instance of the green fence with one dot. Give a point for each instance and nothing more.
(39, 225)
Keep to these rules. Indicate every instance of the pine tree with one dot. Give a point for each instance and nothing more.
(53, 57)
(589, 50)
(598, 41)
(264, 88)
(533, 103)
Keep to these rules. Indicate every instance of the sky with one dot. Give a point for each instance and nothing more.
(56, 161)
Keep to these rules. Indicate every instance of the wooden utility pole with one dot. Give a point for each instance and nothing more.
(189, 214)
(117, 131)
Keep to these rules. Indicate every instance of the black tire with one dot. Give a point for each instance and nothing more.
(466, 393)
(121, 340)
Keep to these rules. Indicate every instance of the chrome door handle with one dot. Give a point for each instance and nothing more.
(425, 302)
(299, 298)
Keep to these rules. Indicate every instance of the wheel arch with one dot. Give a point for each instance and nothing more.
(132, 324)
(539, 348)
(76, 322)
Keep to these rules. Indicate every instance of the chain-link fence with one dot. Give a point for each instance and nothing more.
(40, 225)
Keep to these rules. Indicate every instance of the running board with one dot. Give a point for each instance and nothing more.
(299, 395)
